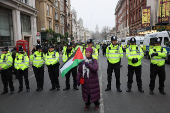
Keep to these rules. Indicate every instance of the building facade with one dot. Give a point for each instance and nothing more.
(17, 21)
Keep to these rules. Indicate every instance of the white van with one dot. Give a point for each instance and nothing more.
(149, 42)
(139, 40)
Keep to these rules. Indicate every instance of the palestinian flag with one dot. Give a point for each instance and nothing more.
(72, 62)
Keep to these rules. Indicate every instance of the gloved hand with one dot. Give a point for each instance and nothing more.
(86, 64)
(154, 54)
(134, 60)
(78, 83)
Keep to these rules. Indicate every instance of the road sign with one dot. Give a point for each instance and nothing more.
(58, 39)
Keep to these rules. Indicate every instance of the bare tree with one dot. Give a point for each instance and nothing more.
(105, 32)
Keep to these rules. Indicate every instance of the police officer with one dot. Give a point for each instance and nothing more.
(65, 57)
(52, 62)
(95, 51)
(6, 70)
(134, 55)
(22, 65)
(114, 53)
(37, 59)
(157, 66)
(104, 47)
(98, 47)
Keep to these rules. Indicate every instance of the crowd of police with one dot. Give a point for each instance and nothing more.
(114, 53)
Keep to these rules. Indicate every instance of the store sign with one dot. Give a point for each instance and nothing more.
(146, 13)
(38, 35)
(42, 29)
(161, 27)
(165, 7)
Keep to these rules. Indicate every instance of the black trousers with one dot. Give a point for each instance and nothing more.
(54, 74)
(116, 68)
(98, 51)
(97, 103)
(7, 79)
(138, 72)
(104, 52)
(39, 75)
(74, 74)
(21, 74)
(154, 71)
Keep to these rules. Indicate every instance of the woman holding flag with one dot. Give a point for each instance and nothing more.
(88, 77)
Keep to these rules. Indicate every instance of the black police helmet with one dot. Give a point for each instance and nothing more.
(51, 46)
(20, 50)
(89, 41)
(113, 38)
(133, 40)
(157, 41)
(38, 47)
(5, 49)
(69, 44)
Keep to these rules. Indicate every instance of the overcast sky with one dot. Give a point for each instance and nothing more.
(95, 12)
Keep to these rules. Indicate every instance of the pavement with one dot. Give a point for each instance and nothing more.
(71, 101)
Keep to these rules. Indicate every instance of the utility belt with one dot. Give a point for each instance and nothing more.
(37, 67)
(155, 65)
(115, 64)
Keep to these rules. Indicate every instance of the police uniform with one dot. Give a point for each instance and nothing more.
(157, 66)
(6, 71)
(37, 59)
(52, 62)
(98, 47)
(65, 57)
(134, 55)
(95, 51)
(114, 53)
(22, 65)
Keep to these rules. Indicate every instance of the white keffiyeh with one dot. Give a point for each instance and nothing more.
(85, 69)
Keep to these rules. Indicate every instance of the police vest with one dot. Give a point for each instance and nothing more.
(21, 62)
(6, 61)
(37, 59)
(52, 58)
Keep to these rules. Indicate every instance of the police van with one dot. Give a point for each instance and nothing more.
(149, 42)
(139, 41)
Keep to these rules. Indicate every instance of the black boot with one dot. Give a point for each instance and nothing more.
(141, 90)
(20, 90)
(128, 90)
(12, 92)
(151, 92)
(162, 92)
(76, 88)
(53, 88)
(28, 90)
(4, 92)
(40, 89)
(108, 89)
(119, 90)
(67, 88)
(58, 88)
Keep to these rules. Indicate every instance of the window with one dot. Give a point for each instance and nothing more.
(56, 16)
(134, 18)
(26, 1)
(48, 10)
(6, 27)
(56, 3)
(25, 24)
(49, 24)
(153, 39)
(134, 3)
(166, 40)
(56, 28)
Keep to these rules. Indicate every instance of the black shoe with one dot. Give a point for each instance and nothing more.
(119, 90)
(141, 90)
(121, 65)
(28, 90)
(58, 89)
(20, 90)
(12, 92)
(151, 92)
(4, 92)
(40, 89)
(128, 90)
(53, 88)
(75, 87)
(107, 89)
(162, 92)
(67, 88)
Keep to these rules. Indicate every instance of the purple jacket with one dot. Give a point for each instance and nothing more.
(91, 85)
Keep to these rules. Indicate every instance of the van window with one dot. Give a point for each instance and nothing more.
(153, 39)
(166, 40)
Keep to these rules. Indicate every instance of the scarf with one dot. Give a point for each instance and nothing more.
(85, 69)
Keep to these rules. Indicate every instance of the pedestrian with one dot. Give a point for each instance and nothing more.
(98, 47)
(95, 51)
(13, 52)
(157, 66)
(52, 62)
(33, 50)
(104, 49)
(88, 72)
(134, 55)
(69, 51)
(37, 59)
(113, 53)
(22, 65)
(6, 70)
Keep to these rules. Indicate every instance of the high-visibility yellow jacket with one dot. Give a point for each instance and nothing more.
(134, 51)
(21, 62)
(37, 59)
(114, 53)
(64, 48)
(6, 61)
(95, 52)
(78, 47)
(66, 56)
(51, 58)
(160, 59)
(97, 46)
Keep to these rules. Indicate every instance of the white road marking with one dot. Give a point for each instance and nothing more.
(146, 64)
(101, 95)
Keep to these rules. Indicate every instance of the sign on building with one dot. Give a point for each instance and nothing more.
(146, 13)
